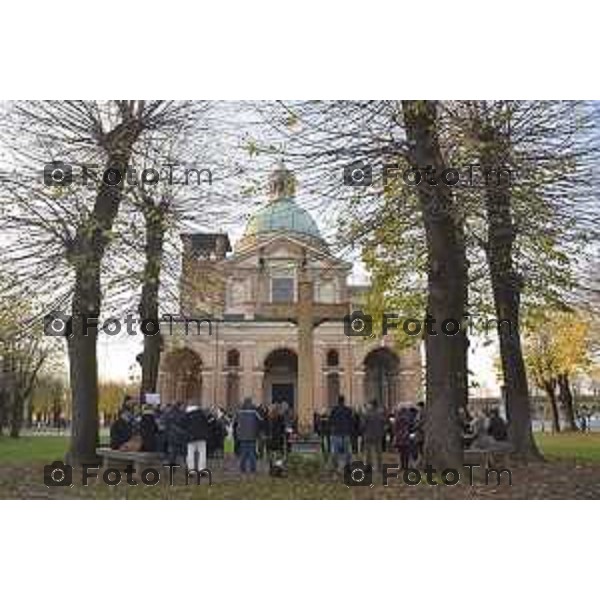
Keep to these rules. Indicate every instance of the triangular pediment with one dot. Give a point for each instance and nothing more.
(285, 246)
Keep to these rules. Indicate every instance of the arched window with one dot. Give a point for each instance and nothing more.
(233, 358)
(333, 358)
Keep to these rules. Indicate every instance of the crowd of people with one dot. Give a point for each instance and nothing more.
(176, 432)
(193, 434)
(370, 432)
(484, 430)
(266, 432)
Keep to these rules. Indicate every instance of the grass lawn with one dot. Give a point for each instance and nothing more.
(38, 449)
(581, 447)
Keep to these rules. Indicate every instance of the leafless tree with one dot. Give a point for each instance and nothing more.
(59, 234)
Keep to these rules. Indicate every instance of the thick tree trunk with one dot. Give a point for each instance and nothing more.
(148, 309)
(518, 407)
(16, 416)
(506, 287)
(566, 401)
(83, 366)
(447, 285)
(86, 257)
(3, 405)
(550, 388)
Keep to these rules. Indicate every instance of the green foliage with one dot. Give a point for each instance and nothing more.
(544, 146)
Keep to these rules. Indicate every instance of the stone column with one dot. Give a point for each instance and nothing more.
(247, 374)
(323, 390)
(206, 388)
(306, 378)
(346, 379)
(358, 383)
(179, 391)
(257, 387)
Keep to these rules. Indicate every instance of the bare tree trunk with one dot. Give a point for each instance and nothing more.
(86, 257)
(84, 375)
(3, 405)
(447, 285)
(148, 309)
(550, 387)
(16, 416)
(506, 301)
(25, 366)
(506, 286)
(566, 401)
(29, 412)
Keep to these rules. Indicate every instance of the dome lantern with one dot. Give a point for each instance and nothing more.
(282, 183)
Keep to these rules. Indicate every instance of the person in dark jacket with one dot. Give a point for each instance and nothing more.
(217, 432)
(497, 426)
(247, 430)
(277, 431)
(341, 425)
(404, 434)
(149, 432)
(175, 433)
(324, 433)
(120, 432)
(374, 432)
(196, 425)
(356, 432)
(128, 408)
(420, 431)
(263, 432)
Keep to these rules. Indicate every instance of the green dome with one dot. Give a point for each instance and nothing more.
(282, 214)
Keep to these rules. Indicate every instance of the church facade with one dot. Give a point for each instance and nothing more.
(240, 334)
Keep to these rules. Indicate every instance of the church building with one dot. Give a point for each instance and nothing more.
(271, 320)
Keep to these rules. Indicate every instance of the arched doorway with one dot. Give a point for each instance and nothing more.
(232, 382)
(280, 383)
(183, 377)
(382, 368)
(333, 389)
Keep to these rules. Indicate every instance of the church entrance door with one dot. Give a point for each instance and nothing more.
(283, 392)
(281, 377)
